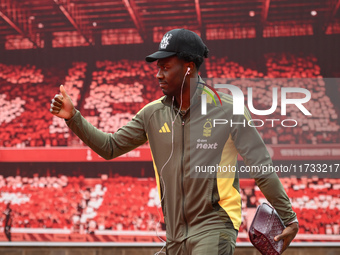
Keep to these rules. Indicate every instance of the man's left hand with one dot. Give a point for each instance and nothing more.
(288, 234)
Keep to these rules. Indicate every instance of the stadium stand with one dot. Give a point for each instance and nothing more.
(315, 201)
(116, 90)
(127, 201)
(223, 67)
(25, 93)
(79, 204)
(119, 89)
(84, 205)
(40, 202)
(284, 70)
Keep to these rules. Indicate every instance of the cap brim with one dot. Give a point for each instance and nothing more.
(159, 55)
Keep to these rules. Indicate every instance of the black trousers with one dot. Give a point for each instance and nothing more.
(8, 232)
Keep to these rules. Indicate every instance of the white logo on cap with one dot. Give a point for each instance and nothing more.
(165, 41)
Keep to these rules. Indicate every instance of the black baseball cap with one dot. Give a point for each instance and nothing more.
(176, 41)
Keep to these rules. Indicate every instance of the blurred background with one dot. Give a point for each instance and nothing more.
(54, 190)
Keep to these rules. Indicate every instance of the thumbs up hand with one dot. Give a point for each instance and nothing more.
(62, 105)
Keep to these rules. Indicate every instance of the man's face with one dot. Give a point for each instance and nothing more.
(171, 72)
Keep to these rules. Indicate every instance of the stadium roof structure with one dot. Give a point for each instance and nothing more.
(42, 20)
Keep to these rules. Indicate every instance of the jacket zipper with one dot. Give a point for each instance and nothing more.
(182, 181)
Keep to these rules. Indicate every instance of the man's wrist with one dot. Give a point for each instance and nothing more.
(74, 111)
(293, 221)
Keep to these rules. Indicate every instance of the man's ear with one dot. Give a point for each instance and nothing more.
(191, 67)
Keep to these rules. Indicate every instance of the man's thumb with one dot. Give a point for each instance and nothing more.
(278, 237)
(63, 91)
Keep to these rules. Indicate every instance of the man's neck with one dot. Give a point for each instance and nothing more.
(186, 97)
(188, 92)
(185, 104)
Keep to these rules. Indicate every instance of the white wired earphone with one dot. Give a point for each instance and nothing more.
(171, 153)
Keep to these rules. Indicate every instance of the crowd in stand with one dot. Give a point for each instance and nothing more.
(40, 202)
(315, 201)
(117, 90)
(15, 74)
(284, 70)
(81, 205)
(223, 67)
(30, 98)
(128, 203)
(127, 200)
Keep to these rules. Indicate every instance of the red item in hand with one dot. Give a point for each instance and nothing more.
(264, 227)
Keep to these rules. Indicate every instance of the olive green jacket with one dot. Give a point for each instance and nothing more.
(191, 156)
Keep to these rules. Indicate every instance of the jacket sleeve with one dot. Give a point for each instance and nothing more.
(109, 145)
(251, 147)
